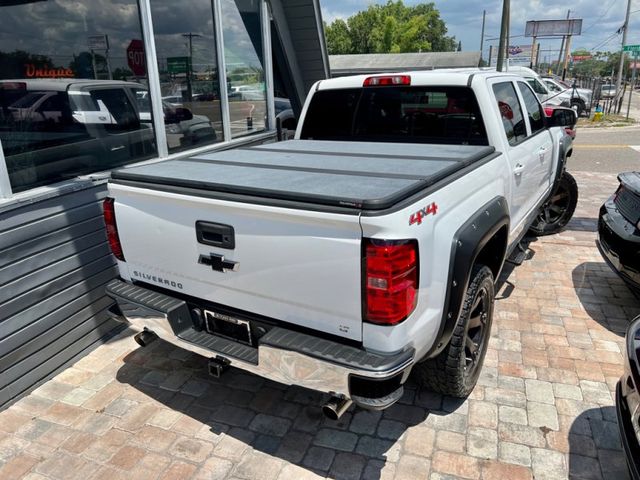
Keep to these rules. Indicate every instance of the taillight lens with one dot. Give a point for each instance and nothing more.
(112, 228)
(390, 280)
(387, 80)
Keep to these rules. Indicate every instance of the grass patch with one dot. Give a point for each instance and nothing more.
(609, 120)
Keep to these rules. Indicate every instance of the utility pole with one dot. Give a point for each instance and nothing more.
(562, 48)
(625, 27)
(484, 17)
(566, 57)
(504, 35)
(190, 66)
(533, 53)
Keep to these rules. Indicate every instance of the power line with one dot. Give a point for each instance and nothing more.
(606, 41)
(600, 17)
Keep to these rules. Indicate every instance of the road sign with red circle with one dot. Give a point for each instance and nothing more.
(135, 58)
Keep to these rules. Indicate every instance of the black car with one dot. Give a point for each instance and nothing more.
(628, 400)
(618, 231)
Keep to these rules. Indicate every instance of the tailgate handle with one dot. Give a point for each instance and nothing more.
(216, 235)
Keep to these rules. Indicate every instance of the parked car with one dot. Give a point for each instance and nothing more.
(284, 114)
(580, 97)
(618, 230)
(608, 90)
(184, 126)
(364, 250)
(628, 400)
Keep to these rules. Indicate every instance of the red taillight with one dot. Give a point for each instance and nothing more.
(112, 228)
(387, 81)
(391, 280)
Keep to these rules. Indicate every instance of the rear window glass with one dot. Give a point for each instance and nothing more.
(447, 115)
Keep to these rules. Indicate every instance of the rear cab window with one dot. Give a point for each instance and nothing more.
(415, 114)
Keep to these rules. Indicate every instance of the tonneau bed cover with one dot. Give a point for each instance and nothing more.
(367, 176)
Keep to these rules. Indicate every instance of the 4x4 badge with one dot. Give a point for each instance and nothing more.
(218, 263)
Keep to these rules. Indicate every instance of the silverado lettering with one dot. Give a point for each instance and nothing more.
(153, 278)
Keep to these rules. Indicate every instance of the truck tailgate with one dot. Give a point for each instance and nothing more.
(294, 208)
(295, 266)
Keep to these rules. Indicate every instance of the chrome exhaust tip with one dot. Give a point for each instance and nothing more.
(145, 337)
(335, 407)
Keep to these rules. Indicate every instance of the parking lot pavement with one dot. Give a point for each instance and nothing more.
(543, 408)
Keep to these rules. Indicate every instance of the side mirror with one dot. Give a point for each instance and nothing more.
(563, 117)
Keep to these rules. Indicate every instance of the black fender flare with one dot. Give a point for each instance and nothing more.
(467, 243)
(565, 149)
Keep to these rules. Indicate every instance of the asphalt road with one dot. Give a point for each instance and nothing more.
(607, 150)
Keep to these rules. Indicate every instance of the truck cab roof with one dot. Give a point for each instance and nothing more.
(452, 77)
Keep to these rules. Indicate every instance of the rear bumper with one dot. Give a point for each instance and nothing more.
(371, 380)
(619, 244)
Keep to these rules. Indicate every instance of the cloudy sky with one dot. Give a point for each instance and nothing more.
(601, 19)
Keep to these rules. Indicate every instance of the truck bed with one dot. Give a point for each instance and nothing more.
(365, 176)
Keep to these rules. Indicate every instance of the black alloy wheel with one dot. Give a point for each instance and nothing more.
(475, 336)
(455, 370)
(558, 209)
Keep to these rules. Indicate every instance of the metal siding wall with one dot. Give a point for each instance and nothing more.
(303, 29)
(54, 264)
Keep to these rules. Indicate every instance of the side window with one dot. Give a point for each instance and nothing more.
(534, 109)
(537, 86)
(119, 109)
(552, 86)
(510, 111)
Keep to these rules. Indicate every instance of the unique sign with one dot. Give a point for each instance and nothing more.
(631, 48)
(177, 64)
(33, 71)
(135, 58)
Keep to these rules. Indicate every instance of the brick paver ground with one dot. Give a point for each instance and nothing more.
(543, 408)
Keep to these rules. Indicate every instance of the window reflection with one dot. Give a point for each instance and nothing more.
(244, 65)
(186, 50)
(69, 73)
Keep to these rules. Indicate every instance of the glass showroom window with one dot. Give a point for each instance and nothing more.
(186, 51)
(71, 75)
(244, 62)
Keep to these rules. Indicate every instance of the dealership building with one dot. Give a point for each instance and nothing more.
(91, 85)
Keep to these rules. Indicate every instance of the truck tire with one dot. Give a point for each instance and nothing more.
(456, 369)
(558, 210)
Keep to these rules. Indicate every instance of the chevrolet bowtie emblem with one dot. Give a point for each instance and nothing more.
(218, 263)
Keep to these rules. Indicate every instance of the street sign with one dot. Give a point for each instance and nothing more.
(631, 48)
(177, 64)
(98, 42)
(135, 58)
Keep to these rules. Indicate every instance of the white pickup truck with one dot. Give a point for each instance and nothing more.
(366, 248)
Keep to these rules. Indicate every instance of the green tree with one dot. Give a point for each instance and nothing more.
(338, 37)
(390, 28)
